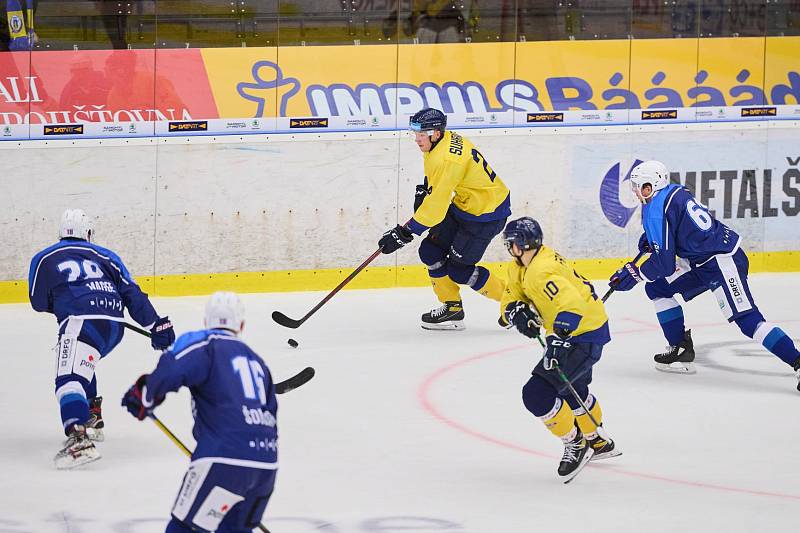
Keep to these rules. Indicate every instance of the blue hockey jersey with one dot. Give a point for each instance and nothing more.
(77, 278)
(233, 397)
(678, 225)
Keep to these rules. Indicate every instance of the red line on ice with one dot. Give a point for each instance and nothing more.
(423, 394)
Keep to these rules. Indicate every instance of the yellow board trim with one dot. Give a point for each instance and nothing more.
(369, 278)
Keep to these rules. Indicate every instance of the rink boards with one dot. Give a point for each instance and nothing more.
(286, 212)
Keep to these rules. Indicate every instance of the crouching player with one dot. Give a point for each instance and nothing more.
(232, 473)
(680, 232)
(543, 290)
(87, 288)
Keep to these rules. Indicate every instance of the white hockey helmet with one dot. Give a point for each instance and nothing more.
(652, 172)
(225, 310)
(76, 224)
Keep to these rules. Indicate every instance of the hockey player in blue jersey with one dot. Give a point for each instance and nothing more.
(232, 473)
(87, 288)
(692, 252)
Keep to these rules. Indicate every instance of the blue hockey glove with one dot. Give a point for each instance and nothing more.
(420, 193)
(134, 402)
(556, 352)
(161, 334)
(644, 244)
(625, 278)
(523, 318)
(395, 238)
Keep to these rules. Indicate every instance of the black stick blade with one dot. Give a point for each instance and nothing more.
(285, 321)
(301, 378)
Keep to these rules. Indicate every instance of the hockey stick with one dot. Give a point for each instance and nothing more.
(282, 387)
(185, 449)
(612, 289)
(287, 322)
(137, 329)
(572, 390)
(301, 378)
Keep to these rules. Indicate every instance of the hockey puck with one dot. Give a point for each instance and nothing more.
(293, 343)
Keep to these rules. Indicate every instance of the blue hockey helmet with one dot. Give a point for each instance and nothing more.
(428, 119)
(525, 232)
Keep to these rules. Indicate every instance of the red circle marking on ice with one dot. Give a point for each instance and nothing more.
(423, 395)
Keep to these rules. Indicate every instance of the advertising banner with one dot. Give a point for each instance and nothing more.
(363, 88)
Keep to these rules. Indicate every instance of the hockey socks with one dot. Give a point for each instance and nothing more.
(777, 342)
(492, 288)
(74, 405)
(670, 317)
(446, 289)
(584, 422)
(561, 421)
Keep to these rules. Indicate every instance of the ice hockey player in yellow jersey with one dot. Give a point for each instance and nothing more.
(544, 291)
(463, 205)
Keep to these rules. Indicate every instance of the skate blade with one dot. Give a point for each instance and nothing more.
(95, 434)
(68, 462)
(584, 462)
(457, 325)
(606, 455)
(677, 368)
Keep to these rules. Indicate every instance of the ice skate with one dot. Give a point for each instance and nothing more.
(797, 371)
(94, 426)
(448, 316)
(678, 359)
(604, 448)
(78, 450)
(577, 453)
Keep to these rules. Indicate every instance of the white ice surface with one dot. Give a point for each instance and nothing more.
(410, 430)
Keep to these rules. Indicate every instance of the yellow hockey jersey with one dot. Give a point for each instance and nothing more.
(561, 297)
(456, 173)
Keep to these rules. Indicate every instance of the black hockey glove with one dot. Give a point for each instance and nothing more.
(556, 353)
(420, 193)
(161, 334)
(523, 318)
(134, 402)
(394, 239)
(644, 244)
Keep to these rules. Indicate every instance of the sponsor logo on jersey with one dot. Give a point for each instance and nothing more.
(295, 123)
(759, 111)
(88, 363)
(194, 125)
(735, 290)
(545, 117)
(64, 129)
(662, 114)
(66, 349)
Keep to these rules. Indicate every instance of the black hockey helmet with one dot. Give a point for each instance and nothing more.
(428, 119)
(525, 232)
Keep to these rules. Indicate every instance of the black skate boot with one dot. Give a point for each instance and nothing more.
(78, 450)
(797, 369)
(678, 359)
(448, 316)
(95, 425)
(603, 447)
(577, 453)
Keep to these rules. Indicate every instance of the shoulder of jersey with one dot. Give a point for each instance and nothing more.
(190, 338)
